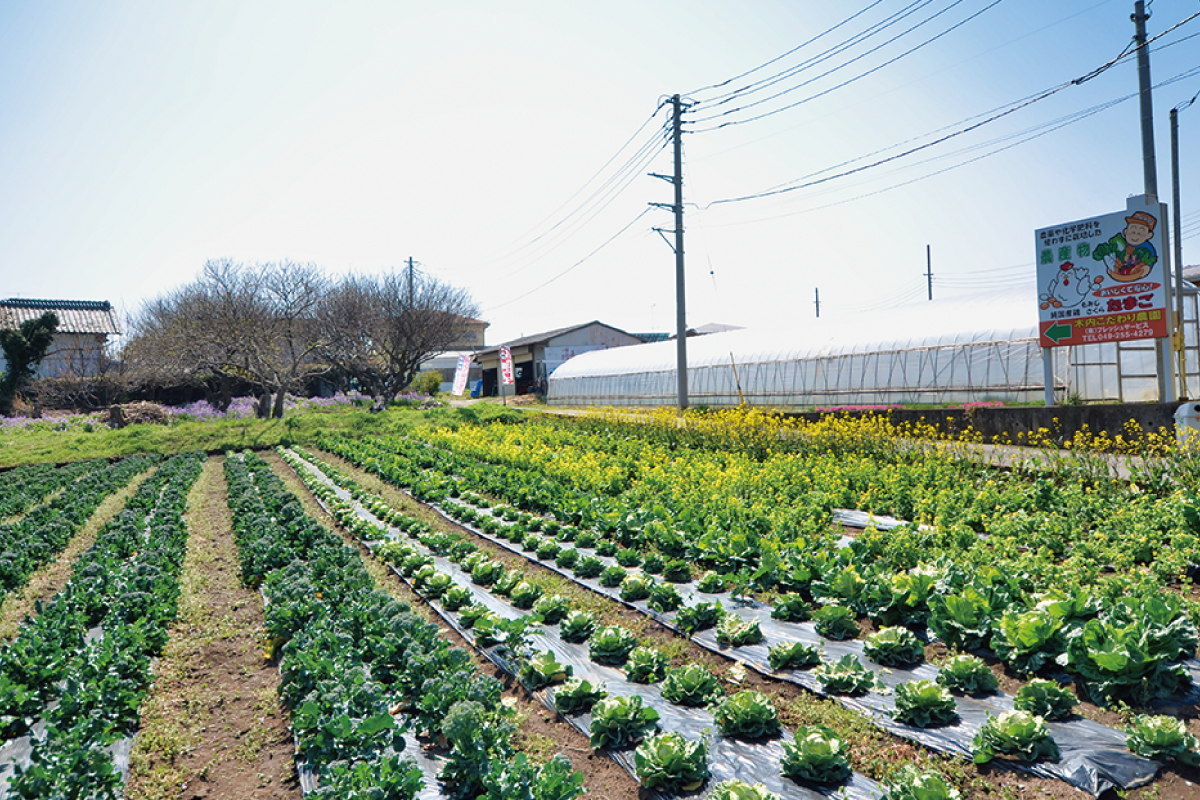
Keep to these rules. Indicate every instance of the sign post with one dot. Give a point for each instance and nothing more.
(1104, 279)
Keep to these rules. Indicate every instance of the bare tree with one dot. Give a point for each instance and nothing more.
(380, 330)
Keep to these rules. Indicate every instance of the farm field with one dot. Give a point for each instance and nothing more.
(589, 604)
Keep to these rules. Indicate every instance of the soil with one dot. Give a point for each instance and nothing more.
(213, 727)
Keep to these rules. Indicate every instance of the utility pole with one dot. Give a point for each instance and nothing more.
(1149, 167)
(410, 282)
(929, 271)
(1180, 338)
(817, 303)
(680, 295)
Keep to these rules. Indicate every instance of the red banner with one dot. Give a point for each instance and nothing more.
(506, 366)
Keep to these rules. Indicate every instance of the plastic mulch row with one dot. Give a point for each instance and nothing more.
(752, 762)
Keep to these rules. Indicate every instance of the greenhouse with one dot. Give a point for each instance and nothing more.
(963, 350)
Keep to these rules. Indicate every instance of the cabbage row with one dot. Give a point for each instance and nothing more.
(360, 669)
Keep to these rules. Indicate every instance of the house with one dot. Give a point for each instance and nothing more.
(79, 343)
(535, 357)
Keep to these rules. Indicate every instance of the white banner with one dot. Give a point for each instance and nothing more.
(461, 374)
(506, 367)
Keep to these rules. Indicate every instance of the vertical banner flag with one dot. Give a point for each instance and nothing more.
(506, 366)
(461, 373)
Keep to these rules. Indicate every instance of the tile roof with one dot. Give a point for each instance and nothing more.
(74, 316)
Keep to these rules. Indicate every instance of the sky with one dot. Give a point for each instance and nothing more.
(508, 147)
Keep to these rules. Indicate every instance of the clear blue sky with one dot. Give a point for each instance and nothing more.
(138, 139)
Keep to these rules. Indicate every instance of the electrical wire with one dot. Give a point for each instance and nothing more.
(795, 49)
(825, 55)
(958, 132)
(541, 286)
(844, 83)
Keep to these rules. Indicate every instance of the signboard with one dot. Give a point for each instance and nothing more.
(461, 373)
(506, 366)
(1104, 279)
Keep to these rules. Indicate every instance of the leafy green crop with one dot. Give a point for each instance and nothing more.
(1014, 733)
(968, 674)
(1163, 737)
(525, 594)
(791, 608)
(577, 626)
(691, 685)
(1027, 641)
(794, 655)
(739, 790)
(711, 583)
(894, 647)
(664, 597)
(578, 694)
(588, 567)
(455, 598)
(736, 632)
(847, 675)
(924, 703)
(550, 609)
(699, 617)
(621, 721)
(817, 755)
(611, 645)
(646, 665)
(963, 621)
(836, 622)
(543, 670)
(613, 576)
(1045, 699)
(912, 783)
(669, 762)
(747, 715)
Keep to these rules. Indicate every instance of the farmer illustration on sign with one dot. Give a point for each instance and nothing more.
(1069, 287)
(1130, 254)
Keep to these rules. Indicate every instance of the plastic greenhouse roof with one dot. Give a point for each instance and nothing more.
(1001, 316)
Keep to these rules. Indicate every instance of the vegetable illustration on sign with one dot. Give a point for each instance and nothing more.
(1101, 279)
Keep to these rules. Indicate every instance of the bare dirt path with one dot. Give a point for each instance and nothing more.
(213, 726)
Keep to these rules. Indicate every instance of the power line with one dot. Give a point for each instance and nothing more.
(845, 83)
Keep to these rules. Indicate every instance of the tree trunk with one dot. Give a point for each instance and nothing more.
(262, 408)
(280, 396)
(224, 394)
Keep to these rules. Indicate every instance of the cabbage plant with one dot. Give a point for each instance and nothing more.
(1045, 699)
(847, 675)
(646, 665)
(543, 670)
(671, 763)
(525, 594)
(739, 790)
(923, 704)
(613, 576)
(621, 721)
(577, 626)
(664, 597)
(836, 622)
(816, 755)
(893, 647)
(967, 674)
(1014, 733)
(747, 715)
(1162, 737)
(912, 783)
(736, 632)
(711, 583)
(691, 685)
(578, 694)
(549, 609)
(794, 655)
(699, 617)
(611, 645)
(791, 608)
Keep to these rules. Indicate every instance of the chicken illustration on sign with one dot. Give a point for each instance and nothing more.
(1101, 280)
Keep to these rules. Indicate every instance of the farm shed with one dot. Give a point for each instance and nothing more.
(83, 330)
(535, 357)
(967, 349)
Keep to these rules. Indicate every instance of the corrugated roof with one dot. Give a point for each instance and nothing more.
(546, 336)
(74, 316)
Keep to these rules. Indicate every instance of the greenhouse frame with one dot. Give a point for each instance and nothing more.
(966, 350)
